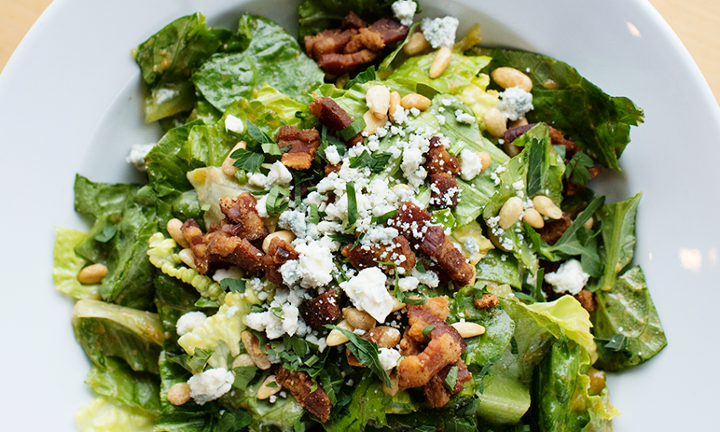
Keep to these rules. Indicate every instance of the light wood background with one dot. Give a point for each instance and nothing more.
(697, 22)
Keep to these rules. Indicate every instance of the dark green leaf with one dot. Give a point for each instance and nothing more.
(258, 135)
(618, 235)
(233, 285)
(343, 238)
(451, 378)
(577, 169)
(426, 331)
(276, 201)
(355, 128)
(247, 160)
(535, 165)
(314, 216)
(383, 218)
(367, 75)
(366, 353)
(352, 208)
(376, 162)
(107, 234)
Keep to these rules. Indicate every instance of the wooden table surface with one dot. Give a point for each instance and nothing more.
(697, 22)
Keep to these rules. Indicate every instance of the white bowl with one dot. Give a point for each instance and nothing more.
(70, 102)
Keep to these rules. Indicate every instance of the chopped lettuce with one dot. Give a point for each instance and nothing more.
(139, 390)
(416, 71)
(211, 186)
(67, 265)
(499, 268)
(618, 234)
(367, 404)
(170, 160)
(626, 316)
(173, 299)
(105, 415)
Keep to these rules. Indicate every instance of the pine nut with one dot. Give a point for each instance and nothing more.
(416, 44)
(495, 122)
(546, 207)
(510, 212)
(589, 224)
(400, 187)
(392, 391)
(507, 77)
(335, 337)
(468, 329)
(511, 149)
(372, 123)
(92, 274)
(378, 100)
(394, 103)
(188, 257)
(397, 304)
(252, 347)
(359, 319)
(174, 229)
(485, 160)
(342, 81)
(415, 100)
(179, 393)
(227, 166)
(389, 336)
(286, 235)
(265, 391)
(522, 121)
(441, 62)
(533, 218)
(243, 360)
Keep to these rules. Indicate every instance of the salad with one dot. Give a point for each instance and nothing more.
(379, 224)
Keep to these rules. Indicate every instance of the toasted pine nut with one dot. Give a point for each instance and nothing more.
(474, 277)
(252, 346)
(401, 187)
(511, 149)
(286, 235)
(227, 166)
(441, 62)
(92, 274)
(589, 223)
(394, 103)
(397, 304)
(372, 123)
(378, 100)
(468, 329)
(507, 77)
(495, 122)
(265, 391)
(174, 229)
(342, 81)
(533, 218)
(179, 393)
(485, 160)
(336, 337)
(392, 391)
(243, 360)
(510, 212)
(546, 207)
(415, 100)
(359, 319)
(389, 338)
(188, 257)
(416, 44)
(522, 121)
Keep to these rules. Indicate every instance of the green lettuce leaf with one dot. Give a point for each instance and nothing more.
(493, 268)
(458, 75)
(139, 390)
(627, 312)
(598, 123)
(272, 57)
(456, 416)
(104, 414)
(170, 160)
(105, 330)
(367, 404)
(618, 234)
(67, 265)
(173, 299)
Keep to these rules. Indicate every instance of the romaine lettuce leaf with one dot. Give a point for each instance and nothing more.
(458, 75)
(173, 299)
(67, 265)
(598, 123)
(105, 415)
(368, 403)
(272, 57)
(170, 160)
(105, 330)
(138, 390)
(618, 234)
(459, 415)
(493, 268)
(627, 314)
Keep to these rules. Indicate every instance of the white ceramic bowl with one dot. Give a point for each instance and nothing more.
(70, 102)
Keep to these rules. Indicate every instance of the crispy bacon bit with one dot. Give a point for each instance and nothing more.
(556, 137)
(443, 191)
(553, 230)
(279, 252)
(300, 385)
(194, 237)
(352, 21)
(390, 30)
(409, 346)
(329, 169)
(303, 146)
(437, 245)
(333, 117)
(445, 347)
(362, 256)
(241, 218)
(436, 391)
(411, 221)
(420, 316)
(487, 301)
(320, 310)
(439, 161)
(587, 300)
(365, 39)
(236, 251)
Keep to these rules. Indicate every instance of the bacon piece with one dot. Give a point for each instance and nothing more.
(303, 145)
(300, 385)
(362, 256)
(390, 29)
(329, 169)
(320, 310)
(445, 347)
(236, 251)
(437, 245)
(411, 221)
(436, 391)
(279, 252)
(439, 161)
(556, 137)
(352, 21)
(327, 41)
(241, 218)
(409, 346)
(487, 301)
(587, 300)
(333, 117)
(553, 230)
(444, 190)
(194, 237)
(420, 316)
(365, 39)
(338, 64)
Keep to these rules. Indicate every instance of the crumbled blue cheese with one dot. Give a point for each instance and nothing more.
(332, 155)
(137, 155)
(463, 117)
(404, 11)
(470, 164)
(388, 358)
(368, 293)
(294, 221)
(189, 322)
(470, 245)
(210, 385)
(570, 278)
(429, 277)
(313, 269)
(409, 283)
(440, 32)
(234, 124)
(514, 103)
